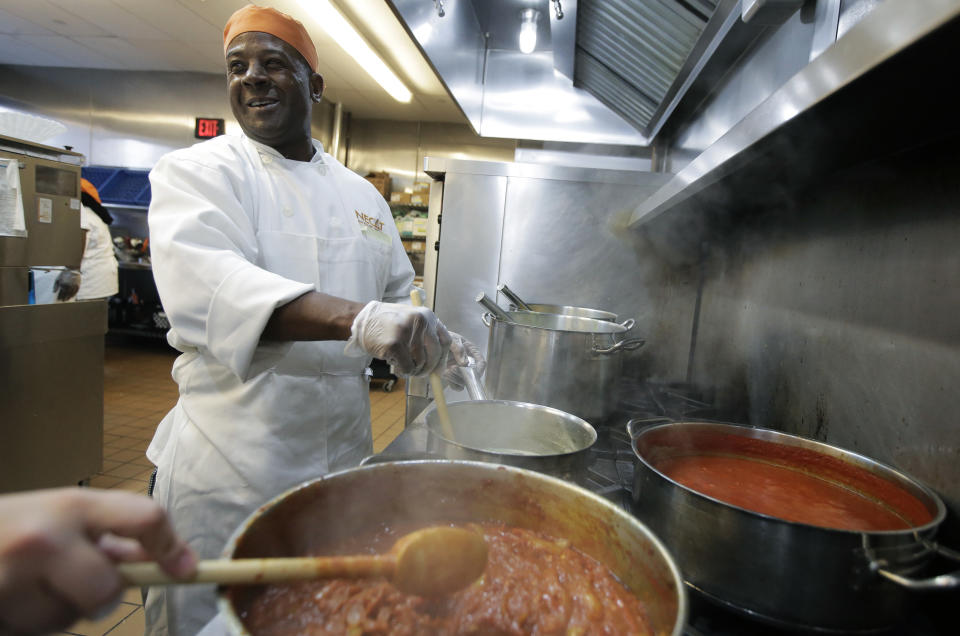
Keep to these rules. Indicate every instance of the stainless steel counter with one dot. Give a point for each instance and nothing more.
(51, 405)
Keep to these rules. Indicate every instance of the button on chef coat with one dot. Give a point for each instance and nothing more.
(255, 418)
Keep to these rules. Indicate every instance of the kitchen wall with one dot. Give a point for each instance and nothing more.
(399, 147)
(130, 119)
(828, 309)
(831, 312)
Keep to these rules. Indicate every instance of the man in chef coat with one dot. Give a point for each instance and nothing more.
(268, 254)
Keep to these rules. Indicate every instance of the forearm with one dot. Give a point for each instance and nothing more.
(312, 316)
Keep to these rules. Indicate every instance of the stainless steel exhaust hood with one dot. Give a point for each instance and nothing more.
(630, 55)
(603, 73)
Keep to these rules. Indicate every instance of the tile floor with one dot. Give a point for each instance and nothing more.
(137, 393)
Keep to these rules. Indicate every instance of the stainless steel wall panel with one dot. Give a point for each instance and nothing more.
(767, 67)
(387, 146)
(834, 316)
(558, 234)
(469, 258)
(566, 242)
(399, 147)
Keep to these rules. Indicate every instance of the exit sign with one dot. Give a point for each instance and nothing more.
(206, 128)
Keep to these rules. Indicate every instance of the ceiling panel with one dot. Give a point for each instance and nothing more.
(171, 35)
(182, 23)
(11, 48)
(15, 25)
(113, 17)
(126, 53)
(52, 17)
(65, 51)
(175, 56)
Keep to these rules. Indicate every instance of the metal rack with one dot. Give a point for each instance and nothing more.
(121, 186)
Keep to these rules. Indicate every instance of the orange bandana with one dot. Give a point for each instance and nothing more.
(89, 188)
(268, 20)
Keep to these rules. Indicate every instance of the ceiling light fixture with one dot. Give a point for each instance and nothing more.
(528, 30)
(353, 43)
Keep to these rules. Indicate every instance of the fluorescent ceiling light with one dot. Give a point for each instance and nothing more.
(350, 41)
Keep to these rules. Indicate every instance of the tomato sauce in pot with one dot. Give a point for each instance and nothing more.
(787, 482)
(533, 584)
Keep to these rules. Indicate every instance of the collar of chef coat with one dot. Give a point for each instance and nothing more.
(264, 149)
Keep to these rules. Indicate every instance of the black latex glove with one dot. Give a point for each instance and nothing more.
(67, 284)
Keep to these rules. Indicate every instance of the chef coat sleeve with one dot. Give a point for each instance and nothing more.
(204, 249)
(400, 280)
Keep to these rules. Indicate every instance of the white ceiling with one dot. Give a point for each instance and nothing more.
(186, 35)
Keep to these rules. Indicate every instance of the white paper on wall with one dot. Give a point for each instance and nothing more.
(11, 203)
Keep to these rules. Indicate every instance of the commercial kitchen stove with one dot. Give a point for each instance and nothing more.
(609, 473)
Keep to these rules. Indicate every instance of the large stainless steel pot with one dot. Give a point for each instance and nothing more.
(569, 363)
(513, 433)
(780, 571)
(316, 516)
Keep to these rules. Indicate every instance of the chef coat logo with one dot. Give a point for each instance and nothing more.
(369, 221)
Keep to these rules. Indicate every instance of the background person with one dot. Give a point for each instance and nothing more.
(97, 277)
(268, 254)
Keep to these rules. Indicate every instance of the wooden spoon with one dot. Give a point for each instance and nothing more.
(428, 562)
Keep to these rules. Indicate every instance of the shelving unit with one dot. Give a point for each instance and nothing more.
(120, 186)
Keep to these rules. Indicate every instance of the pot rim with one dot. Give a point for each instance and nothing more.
(770, 434)
(225, 608)
(552, 308)
(570, 418)
(603, 327)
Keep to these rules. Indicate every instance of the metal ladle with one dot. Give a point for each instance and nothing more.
(516, 300)
(493, 307)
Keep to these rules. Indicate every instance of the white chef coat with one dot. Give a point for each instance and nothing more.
(237, 230)
(98, 268)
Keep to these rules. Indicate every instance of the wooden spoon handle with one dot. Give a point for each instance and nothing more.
(253, 571)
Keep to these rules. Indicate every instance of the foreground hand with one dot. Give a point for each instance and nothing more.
(412, 340)
(67, 284)
(461, 353)
(58, 550)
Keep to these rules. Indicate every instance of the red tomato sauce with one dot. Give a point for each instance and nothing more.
(533, 584)
(780, 491)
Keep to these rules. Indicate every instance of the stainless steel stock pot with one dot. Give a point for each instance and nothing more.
(316, 517)
(565, 362)
(784, 572)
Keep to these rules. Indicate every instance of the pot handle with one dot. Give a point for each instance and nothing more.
(487, 319)
(628, 324)
(942, 582)
(623, 345)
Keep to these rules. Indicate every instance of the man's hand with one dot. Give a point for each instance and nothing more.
(411, 339)
(58, 550)
(462, 353)
(67, 284)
